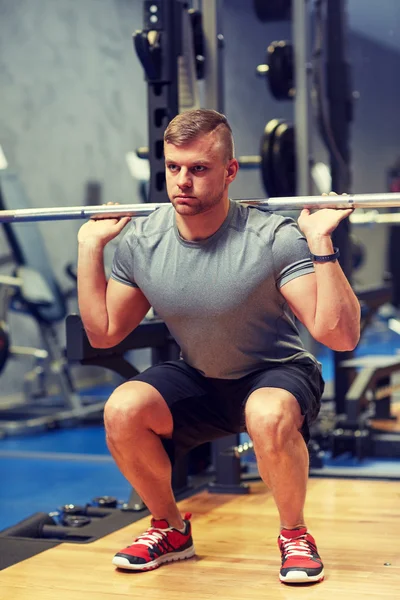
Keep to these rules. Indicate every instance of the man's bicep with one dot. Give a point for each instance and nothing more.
(301, 295)
(126, 308)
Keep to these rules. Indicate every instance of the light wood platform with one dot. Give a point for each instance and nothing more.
(356, 525)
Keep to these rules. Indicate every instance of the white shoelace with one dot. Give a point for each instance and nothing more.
(298, 547)
(151, 537)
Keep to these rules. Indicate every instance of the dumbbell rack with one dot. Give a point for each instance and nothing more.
(73, 524)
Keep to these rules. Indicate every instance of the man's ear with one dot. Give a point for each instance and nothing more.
(232, 168)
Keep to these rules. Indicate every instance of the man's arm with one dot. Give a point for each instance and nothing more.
(324, 301)
(109, 310)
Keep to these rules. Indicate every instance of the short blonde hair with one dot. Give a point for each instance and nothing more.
(192, 124)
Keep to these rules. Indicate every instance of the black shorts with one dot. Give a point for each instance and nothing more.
(205, 409)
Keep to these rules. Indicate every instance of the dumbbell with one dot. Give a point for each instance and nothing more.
(72, 515)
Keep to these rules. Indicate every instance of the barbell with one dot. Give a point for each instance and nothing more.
(66, 213)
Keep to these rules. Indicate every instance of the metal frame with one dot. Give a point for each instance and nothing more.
(162, 90)
(300, 32)
(340, 116)
(214, 94)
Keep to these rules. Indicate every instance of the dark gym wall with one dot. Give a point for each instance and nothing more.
(73, 102)
(375, 138)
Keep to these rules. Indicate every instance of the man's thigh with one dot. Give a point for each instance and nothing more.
(303, 381)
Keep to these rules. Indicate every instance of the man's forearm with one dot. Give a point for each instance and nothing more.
(337, 313)
(92, 286)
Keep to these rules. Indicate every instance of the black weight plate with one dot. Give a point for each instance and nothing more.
(284, 160)
(280, 74)
(273, 10)
(267, 173)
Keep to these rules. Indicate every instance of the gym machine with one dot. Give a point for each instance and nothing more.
(171, 50)
(32, 290)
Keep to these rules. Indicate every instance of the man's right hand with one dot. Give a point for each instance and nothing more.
(101, 230)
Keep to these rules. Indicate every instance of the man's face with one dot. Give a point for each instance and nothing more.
(197, 174)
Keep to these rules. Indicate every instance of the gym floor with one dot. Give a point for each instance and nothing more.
(43, 471)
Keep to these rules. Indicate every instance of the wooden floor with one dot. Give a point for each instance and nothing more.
(356, 524)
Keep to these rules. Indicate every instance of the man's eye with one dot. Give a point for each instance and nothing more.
(199, 168)
(172, 167)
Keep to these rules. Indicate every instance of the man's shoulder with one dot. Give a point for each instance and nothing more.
(156, 223)
(260, 221)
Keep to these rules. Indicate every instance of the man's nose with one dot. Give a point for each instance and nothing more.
(184, 178)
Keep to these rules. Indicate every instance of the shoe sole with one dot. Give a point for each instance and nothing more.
(301, 577)
(123, 563)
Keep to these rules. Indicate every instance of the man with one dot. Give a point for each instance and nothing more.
(228, 281)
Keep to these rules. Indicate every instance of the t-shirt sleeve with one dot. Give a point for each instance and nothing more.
(291, 253)
(122, 269)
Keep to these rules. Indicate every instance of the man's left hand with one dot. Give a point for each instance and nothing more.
(322, 222)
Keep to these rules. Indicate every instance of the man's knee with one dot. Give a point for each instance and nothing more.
(273, 416)
(134, 406)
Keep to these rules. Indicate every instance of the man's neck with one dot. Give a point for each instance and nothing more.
(204, 225)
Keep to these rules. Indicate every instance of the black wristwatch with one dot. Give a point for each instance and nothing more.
(327, 257)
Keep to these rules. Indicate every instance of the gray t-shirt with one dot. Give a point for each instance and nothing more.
(220, 297)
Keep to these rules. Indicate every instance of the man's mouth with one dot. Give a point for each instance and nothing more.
(184, 199)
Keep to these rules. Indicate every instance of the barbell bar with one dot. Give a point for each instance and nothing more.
(66, 213)
(372, 217)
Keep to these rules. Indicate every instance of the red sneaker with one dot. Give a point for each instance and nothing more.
(301, 562)
(159, 544)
